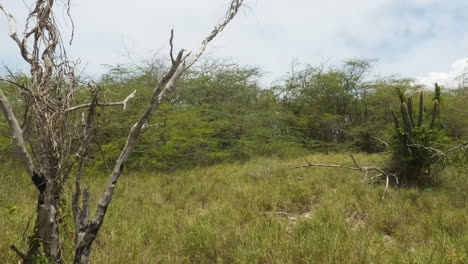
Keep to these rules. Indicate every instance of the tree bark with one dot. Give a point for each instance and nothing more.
(48, 225)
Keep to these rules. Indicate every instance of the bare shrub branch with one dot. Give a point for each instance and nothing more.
(122, 103)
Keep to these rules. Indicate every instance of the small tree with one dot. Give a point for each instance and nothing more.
(57, 129)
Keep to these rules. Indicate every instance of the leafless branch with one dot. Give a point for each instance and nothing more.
(386, 186)
(457, 109)
(463, 147)
(232, 11)
(371, 168)
(354, 160)
(381, 141)
(146, 126)
(13, 33)
(172, 46)
(17, 134)
(122, 103)
(18, 252)
(382, 173)
(284, 214)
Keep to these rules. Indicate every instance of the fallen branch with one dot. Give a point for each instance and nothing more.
(354, 160)
(463, 147)
(370, 168)
(457, 109)
(284, 214)
(382, 176)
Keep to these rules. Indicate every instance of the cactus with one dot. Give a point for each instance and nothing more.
(435, 113)
(410, 109)
(414, 147)
(421, 108)
(437, 92)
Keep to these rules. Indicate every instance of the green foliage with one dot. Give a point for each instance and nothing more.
(454, 116)
(220, 113)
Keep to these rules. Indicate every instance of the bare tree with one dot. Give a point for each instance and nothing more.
(56, 130)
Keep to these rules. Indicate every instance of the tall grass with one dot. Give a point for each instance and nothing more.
(262, 212)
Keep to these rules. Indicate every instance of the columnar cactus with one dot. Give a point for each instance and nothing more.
(415, 142)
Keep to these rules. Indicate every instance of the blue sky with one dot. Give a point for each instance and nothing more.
(422, 39)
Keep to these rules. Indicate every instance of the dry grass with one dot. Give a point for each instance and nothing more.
(263, 212)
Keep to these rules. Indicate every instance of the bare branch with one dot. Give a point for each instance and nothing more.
(283, 214)
(386, 186)
(463, 147)
(354, 160)
(382, 172)
(457, 109)
(146, 126)
(17, 134)
(357, 168)
(13, 33)
(122, 103)
(381, 141)
(371, 168)
(172, 46)
(231, 13)
(18, 252)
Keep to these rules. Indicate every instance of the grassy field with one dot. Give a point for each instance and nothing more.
(263, 212)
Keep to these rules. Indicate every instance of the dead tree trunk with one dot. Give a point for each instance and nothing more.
(47, 222)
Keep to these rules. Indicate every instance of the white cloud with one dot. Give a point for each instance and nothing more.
(448, 79)
(410, 37)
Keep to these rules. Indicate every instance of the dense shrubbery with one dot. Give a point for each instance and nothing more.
(220, 113)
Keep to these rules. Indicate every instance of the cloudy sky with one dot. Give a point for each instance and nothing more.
(422, 39)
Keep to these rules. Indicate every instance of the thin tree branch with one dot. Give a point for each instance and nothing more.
(382, 172)
(172, 46)
(371, 168)
(14, 35)
(18, 252)
(122, 103)
(354, 160)
(17, 134)
(232, 11)
(381, 141)
(463, 146)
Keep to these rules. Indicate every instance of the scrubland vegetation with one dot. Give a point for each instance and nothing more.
(221, 113)
(328, 164)
(211, 179)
